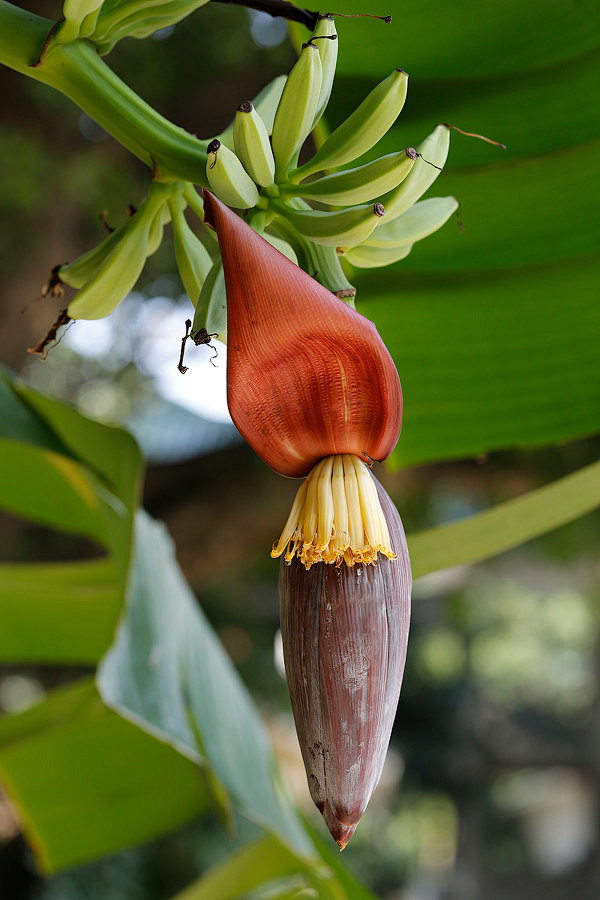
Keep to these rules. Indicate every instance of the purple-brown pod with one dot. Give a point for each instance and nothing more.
(345, 633)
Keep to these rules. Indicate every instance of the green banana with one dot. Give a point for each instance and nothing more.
(252, 144)
(227, 177)
(417, 223)
(193, 259)
(357, 185)
(297, 107)
(323, 263)
(89, 264)
(265, 103)
(155, 234)
(211, 309)
(365, 257)
(327, 43)
(362, 129)
(281, 245)
(122, 267)
(432, 157)
(333, 229)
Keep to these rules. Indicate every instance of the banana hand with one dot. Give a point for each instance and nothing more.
(122, 267)
(362, 129)
(211, 309)
(327, 44)
(365, 257)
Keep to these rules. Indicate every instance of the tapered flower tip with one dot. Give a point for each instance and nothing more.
(340, 832)
(307, 376)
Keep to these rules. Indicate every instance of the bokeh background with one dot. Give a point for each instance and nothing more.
(491, 785)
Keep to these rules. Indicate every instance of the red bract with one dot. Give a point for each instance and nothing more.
(307, 376)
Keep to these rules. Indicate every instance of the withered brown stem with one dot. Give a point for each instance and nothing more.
(41, 348)
(280, 8)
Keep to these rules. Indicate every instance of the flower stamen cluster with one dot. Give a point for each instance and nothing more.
(336, 517)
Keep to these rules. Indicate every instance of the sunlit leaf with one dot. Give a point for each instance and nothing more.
(58, 612)
(506, 525)
(88, 783)
(167, 665)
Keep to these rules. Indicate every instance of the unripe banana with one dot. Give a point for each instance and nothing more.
(123, 266)
(155, 234)
(88, 265)
(365, 257)
(432, 157)
(283, 246)
(265, 103)
(357, 185)
(417, 223)
(227, 177)
(297, 107)
(211, 309)
(363, 128)
(333, 229)
(328, 51)
(323, 263)
(193, 259)
(252, 144)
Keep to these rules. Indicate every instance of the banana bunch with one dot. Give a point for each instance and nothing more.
(317, 212)
(254, 167)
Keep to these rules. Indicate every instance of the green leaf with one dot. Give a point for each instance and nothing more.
(460, 39)
(255, 864)
(516, 214)
(19, 422)
(166, 666)
(59, 493)
(30, 417)
(87, 783)
(269, 864)
(58, 612)
(506, 525)
(492, 363)
(495, 329)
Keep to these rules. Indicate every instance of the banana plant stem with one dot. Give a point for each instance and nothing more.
(78, 72)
